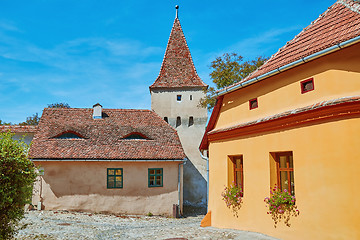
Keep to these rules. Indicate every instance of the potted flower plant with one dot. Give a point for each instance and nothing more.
(232, 196)
(281, 206)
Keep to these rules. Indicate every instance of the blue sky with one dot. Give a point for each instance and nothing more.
(86, 51)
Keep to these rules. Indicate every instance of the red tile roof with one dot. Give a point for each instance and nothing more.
(18, 128)
(177, 68)
(103, 138)
(341, 22)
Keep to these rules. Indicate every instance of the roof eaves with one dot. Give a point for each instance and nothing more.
(248, 81)
(294, 112)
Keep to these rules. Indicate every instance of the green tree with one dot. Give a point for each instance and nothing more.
(34, 120)
(228, 69)
(4, 123)
(58, 105)
(17, 175)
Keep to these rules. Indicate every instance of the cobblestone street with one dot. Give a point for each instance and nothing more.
(76, 225)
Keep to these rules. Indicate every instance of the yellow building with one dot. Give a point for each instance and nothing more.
(294, 123)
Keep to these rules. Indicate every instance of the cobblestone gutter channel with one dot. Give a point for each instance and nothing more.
(77, 225)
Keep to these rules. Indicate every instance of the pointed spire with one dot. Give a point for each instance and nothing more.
(177, 69)
(177, 11)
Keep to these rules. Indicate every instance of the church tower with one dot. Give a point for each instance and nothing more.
(175, 96)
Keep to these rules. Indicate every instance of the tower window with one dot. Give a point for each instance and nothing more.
(191, 121)
(166, 119)
(178, 98)
(178, 121)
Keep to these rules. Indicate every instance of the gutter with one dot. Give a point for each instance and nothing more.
(207, 178)
(292, 65)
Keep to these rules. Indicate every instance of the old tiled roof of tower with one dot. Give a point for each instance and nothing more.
(104, 138)
(341, 22)
(177, 69)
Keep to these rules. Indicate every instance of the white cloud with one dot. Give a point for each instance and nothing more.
(8, 26)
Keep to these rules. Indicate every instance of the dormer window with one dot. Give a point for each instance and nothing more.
(69, 135)
(135, 136)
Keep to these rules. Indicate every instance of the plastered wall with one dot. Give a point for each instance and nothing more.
(326, 170)
(164, 102)
(326, 154)
(82, 186)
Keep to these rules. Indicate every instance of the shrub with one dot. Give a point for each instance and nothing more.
(233, 198)
(281, 205)
(17, 175)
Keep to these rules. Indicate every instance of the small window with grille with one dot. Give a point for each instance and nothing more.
(307, 85)
(253, 103)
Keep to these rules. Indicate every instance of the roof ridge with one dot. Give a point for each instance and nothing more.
(353, 5)
(338, 24)
(118, 109)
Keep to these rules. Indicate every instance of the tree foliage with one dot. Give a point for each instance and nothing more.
(34, 120)
(17, 175)
(228, 69)
(58, 105)
(4, 123)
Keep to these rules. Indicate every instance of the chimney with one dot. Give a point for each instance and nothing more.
(97, 112)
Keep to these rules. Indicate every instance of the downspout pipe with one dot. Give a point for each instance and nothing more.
(207, 178)
(293, 64)
(179, 183)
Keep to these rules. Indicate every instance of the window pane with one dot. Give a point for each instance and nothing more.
(118, 172)
(238, 162)
(152, 178)
(292, 184)
(118, 184)
(118, 179)
(110, 171)
(291, 164)
(283, 161)
(111, 181)
(152, 182)
(238, 178)
(158, 171)
(152, 171)
(284, 180)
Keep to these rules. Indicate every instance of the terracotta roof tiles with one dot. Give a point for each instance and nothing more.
(18, 128)
(104, 138)
(341, 22)
(177, 69)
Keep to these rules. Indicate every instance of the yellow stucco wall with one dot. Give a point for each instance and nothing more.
(336, 75)
(326, 154)
(82, 186)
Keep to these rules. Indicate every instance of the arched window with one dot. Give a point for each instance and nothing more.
(69, 135)
(178, 121)
(191, 121)
(135, 135)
